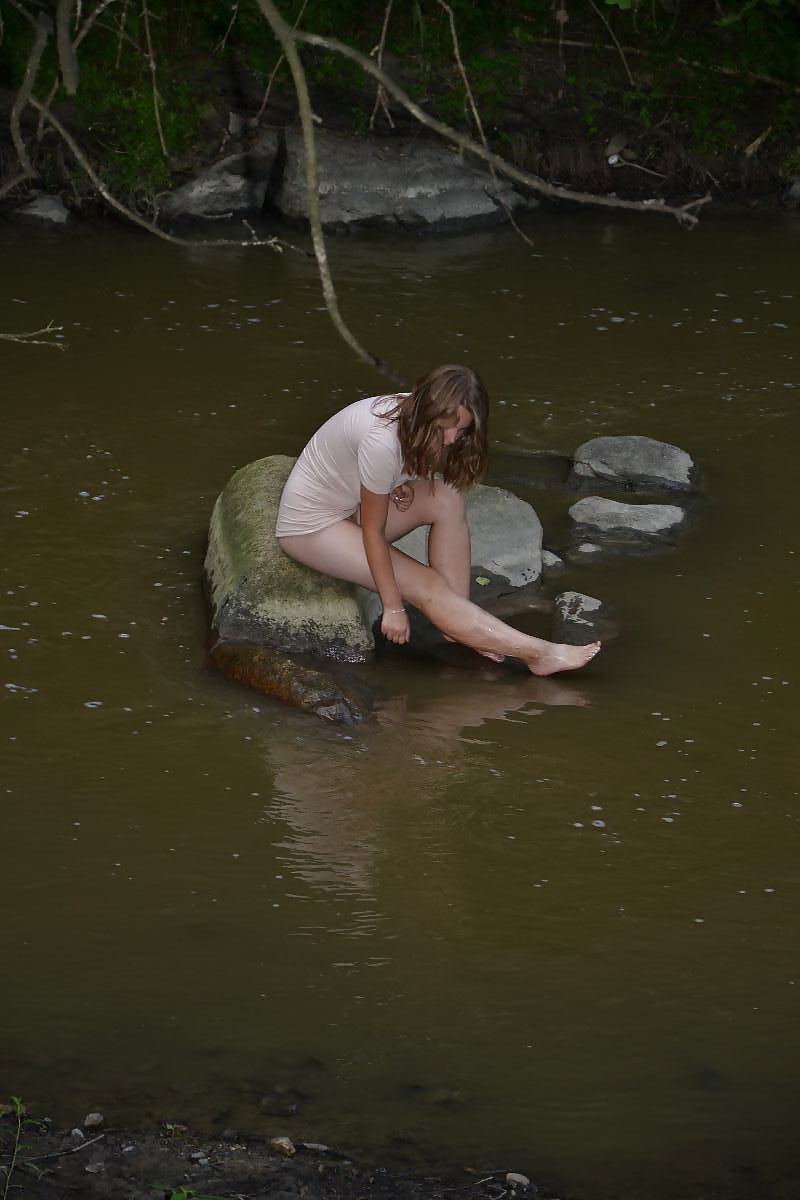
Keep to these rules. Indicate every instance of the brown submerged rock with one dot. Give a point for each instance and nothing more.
(286, 679)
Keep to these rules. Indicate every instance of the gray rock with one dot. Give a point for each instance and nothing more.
(283, 1146)
(402, 183)
(506, 537)
(551, 561)
(259, 595)
(637, 463)
(236, 184)
(93, 1120)
(515, 1180)
(610, 521)
(46, 208)
(577, 619)
(586, 550)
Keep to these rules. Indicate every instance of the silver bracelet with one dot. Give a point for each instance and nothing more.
(394, 610)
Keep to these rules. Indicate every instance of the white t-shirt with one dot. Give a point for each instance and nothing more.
(358, 445)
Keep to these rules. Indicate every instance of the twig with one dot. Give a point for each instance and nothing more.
(682, 213)
(121, 31)
(277, 67)
(476, 116)
(380, 96)
(72, 1149)
(152, 62)
(67, 59)
(30, 339)
(90, 20)
(287, 36)
(615, 40)
(118, 206)
(221, 43)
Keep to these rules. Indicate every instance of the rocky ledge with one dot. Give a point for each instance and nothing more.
(405, 183)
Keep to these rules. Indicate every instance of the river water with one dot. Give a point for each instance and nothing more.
(548, 928)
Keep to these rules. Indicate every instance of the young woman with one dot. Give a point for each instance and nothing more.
(367, 477)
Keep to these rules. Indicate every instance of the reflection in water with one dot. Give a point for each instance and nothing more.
(334, 794)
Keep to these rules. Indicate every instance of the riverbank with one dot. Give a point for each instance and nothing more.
(177, 1163)
(639, 122)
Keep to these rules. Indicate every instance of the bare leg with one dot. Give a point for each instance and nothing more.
(442, 508)
(339, 551)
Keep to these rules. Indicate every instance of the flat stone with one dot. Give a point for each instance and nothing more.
(577, 618)
(552, 561)
(259, 595)
(636, 463)
(610, 520)
(46, 208)
(402, 183)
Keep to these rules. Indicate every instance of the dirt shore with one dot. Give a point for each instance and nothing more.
(179, 1164)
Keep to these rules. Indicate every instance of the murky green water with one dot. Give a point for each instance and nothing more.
(547, 928)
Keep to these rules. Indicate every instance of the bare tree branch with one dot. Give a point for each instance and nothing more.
(67, 58)
(682, 213)
(44, 27)
(286, 36)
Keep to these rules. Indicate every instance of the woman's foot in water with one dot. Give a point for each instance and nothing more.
(558, 657)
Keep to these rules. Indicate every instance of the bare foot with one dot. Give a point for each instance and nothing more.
(558, 657)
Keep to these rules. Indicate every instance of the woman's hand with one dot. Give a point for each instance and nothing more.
(402, 497)
(395, 627)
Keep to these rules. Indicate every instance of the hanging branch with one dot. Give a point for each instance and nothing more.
(286, 36)
(476, 116)
(151, 58)
(683, 213)
(380, 97)
(33, 339)
(221, 43)
(67, 59)
(615, 40)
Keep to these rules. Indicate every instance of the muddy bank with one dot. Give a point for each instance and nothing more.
(176, 1163)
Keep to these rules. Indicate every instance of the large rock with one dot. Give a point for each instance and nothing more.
(236, 184)
(278, 675)
(259, 595)
(506, 536)
(608, 520)
(636, 463)
(412, 184)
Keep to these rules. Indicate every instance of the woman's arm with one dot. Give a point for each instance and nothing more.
(374, 510)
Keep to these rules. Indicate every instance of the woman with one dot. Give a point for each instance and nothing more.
(367, 477)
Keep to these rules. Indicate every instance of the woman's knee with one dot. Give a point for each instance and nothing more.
(448, 502)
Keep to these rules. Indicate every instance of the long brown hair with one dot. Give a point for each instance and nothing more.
(439, 394)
